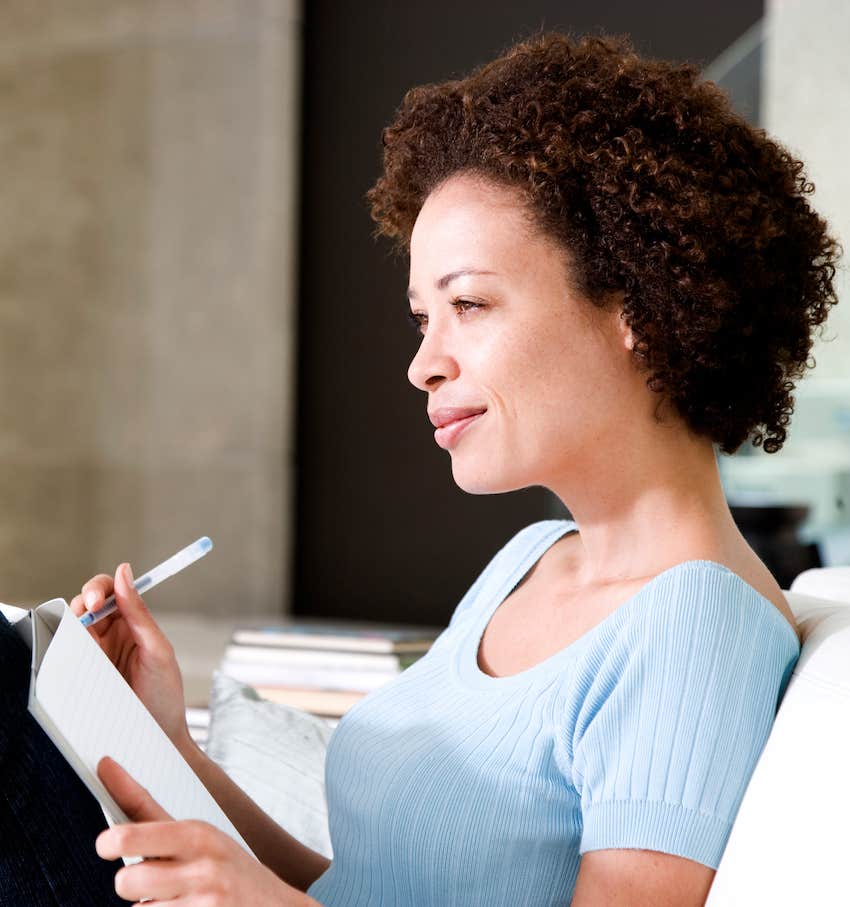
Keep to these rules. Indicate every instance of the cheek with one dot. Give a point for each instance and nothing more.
(558, 393)
(540, 377)
(539, 380)
(515, 369)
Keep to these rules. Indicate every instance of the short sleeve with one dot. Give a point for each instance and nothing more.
(679, 697)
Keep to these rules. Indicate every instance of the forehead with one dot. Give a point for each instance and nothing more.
(470, 222)
(473, 206)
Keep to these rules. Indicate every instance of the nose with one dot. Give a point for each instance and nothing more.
(433, 364)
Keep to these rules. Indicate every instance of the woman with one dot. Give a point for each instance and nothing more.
(611, 274)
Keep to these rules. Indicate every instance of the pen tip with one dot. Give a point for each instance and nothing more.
(205, 543)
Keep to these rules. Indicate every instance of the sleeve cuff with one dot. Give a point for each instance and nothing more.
(655, 825)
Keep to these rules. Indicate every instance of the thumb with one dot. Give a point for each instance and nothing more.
(134, 799)
(135, 612)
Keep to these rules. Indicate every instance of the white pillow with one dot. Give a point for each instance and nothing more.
(788, 846)
(276, 754)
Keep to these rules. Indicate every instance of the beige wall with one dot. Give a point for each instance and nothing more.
(806, 105)
(147, 211)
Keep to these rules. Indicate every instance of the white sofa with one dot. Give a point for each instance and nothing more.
(790, 844)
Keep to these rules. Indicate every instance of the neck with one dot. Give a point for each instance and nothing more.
(647, 504)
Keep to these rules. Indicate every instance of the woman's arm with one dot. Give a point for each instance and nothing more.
(640, 878)
(135, 644)
(294, 862)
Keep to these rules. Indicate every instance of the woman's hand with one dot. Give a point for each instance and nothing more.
(196, 864)
(138, 648)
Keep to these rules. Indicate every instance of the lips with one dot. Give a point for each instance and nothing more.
(452, 421)
(448, 414)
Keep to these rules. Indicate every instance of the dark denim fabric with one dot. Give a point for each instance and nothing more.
(48, 819)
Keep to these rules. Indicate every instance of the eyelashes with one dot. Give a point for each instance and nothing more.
(465, 305)
(415, 320)
(418, 320)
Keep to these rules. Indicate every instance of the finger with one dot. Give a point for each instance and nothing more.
(134, 799)
(186, 841)
(162, 880)
(77, 605)
(95, 592)
(150, 840)
(139, 620)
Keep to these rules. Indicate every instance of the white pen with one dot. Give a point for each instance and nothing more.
(174, 564)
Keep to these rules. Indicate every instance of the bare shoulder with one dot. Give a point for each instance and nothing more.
(734, 554)
(752, 570)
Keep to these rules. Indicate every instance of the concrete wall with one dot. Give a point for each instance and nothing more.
(806, 105)
(147, 223)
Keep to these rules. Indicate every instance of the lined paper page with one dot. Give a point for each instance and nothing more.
(98, 714)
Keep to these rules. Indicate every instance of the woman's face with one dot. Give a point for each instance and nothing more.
(524, 378)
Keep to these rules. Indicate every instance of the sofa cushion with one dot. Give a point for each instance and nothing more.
(276, 754)
(788, 844)
(832, 583)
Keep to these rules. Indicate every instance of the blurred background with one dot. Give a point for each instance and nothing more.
(199, 335)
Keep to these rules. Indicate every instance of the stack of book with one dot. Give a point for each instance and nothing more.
(323, 668)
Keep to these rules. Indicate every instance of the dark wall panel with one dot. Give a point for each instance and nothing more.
(382, 531)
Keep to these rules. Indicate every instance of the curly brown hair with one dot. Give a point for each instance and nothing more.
(661, 194)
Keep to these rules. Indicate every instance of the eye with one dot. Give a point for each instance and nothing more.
(417, 320)
(465, 305)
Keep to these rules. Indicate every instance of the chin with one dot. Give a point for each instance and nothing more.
(478, 478)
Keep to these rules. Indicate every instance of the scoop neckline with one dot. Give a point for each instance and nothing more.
(467, 656)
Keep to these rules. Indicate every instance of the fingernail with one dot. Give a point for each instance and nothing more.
(128, 574)
(90, 599)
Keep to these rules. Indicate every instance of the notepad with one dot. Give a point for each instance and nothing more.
(89, 711)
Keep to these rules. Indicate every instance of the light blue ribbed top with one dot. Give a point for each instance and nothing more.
(452, 787)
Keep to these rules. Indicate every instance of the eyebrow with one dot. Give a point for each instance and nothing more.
(446, 279)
